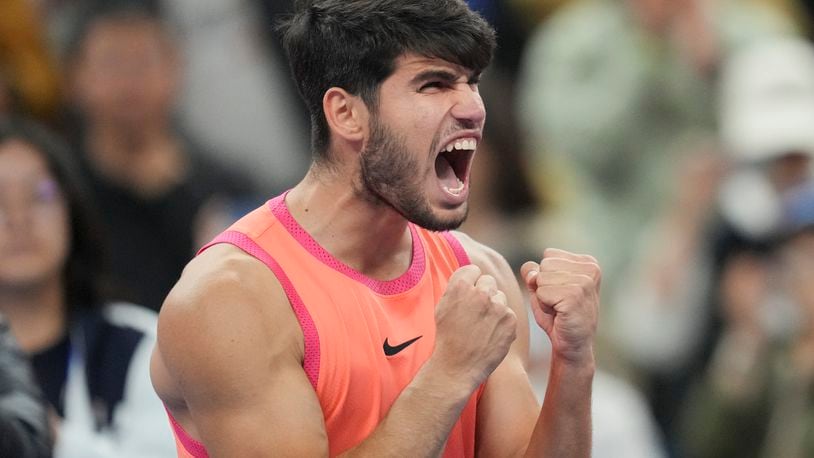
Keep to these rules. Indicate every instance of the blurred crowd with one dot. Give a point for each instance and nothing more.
(671, 139)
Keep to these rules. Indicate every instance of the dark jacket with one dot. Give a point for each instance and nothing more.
(24, 430)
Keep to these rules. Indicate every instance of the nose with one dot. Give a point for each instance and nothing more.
(469, 108)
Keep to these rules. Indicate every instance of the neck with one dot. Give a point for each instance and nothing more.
(36, 315)
(364, 233)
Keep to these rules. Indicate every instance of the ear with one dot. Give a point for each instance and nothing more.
(346, 114)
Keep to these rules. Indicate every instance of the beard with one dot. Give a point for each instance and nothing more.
(390, 175)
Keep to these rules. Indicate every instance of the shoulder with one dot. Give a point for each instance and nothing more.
(493, 263)
(226, 305)
(224, 283)
(486, 258)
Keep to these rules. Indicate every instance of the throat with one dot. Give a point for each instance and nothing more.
(341, 229)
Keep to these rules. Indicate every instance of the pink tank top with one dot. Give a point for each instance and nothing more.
(365, 339)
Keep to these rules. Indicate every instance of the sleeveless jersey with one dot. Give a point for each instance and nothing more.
(365, 339)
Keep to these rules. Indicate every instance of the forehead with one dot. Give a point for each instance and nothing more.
(409, 65)
(132, 33)
(20, 162)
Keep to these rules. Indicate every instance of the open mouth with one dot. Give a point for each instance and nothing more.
(452, 164)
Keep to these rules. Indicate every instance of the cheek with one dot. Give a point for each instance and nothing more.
(55, 235)
(426, 118)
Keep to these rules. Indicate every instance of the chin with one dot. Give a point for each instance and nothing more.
(447, 220)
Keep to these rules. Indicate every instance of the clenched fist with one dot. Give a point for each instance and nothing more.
(474, 325)
(564, 290)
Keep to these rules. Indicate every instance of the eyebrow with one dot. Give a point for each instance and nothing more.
(443, 75)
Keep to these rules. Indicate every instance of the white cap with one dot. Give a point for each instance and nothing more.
(767, 100)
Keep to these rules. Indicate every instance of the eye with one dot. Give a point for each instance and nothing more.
(46, 191)
(432, 85)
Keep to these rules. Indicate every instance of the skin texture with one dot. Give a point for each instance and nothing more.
(237, 400)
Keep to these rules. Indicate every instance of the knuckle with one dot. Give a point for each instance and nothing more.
(586, 281)
(482, 296)
(594, 270)
(506, 313)
(511, 317)
(487, 281)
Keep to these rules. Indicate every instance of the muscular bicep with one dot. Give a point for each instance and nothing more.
(508, 408)
(233, 351)
(277, 415)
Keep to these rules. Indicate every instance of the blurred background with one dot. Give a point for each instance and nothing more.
(671, 139)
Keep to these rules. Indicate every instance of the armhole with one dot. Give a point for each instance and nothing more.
(310, 335)
(185, 443)
(457, 249)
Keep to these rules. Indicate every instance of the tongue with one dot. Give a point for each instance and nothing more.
(445, 172)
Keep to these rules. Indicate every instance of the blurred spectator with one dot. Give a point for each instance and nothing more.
(91, 359)
(237, 93)
(661, 314)
(161, 196)
(757, 398)
(29, 82)
(614, 94)
(708, 238)
(24, 431)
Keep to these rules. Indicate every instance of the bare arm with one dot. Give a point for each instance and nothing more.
(240, 398)
(228, 362)
(510, 421)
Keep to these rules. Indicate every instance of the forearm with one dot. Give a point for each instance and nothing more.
(564, 426)
(420, 420)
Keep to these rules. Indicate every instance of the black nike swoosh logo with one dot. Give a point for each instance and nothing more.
(390, 351)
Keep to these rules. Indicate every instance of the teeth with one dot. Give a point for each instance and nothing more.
(456, 191)
(465, 144)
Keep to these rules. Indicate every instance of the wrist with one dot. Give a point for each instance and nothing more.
(579, 366)
(455, 384)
